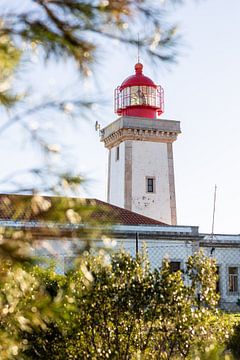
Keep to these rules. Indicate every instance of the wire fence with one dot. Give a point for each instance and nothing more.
(177, 252)
(64, 255)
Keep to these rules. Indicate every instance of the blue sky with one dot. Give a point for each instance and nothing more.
(201, 90)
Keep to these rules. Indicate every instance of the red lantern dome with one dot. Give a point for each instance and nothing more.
(139, 96)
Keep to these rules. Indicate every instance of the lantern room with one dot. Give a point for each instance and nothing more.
(139, 96)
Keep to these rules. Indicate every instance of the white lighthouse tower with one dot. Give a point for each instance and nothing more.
(140, 165)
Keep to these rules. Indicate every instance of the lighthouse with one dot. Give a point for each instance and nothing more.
(140, 162)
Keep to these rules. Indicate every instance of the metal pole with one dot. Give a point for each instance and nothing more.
(138, 58)
(137, 239)
(214, 206)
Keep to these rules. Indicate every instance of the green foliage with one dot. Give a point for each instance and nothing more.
(117, 308)
(30, 297)
(213, 352)
(233, 342)
(72, 28)
(9, 60)
(25, 305)
(202, 272)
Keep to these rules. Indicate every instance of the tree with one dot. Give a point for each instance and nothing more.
(9, 60)
(120, 309)
(77, 30)
(29, 302)
(62, 27)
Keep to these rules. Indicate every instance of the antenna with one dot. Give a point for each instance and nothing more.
(211, 236)
(214, 207)
(138, 47)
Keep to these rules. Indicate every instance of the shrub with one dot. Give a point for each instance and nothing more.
(117, 308)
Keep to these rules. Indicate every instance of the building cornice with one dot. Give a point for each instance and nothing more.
(136, 128)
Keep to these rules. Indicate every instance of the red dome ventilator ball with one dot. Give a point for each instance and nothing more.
(139, 96)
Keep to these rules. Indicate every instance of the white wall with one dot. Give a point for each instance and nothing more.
(64, 251)
(151, 159)
(178, 250)
(117, 176)
(158, 250)
(225, 258)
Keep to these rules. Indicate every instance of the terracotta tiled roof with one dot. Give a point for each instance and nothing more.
(122, 216)
(11, 209)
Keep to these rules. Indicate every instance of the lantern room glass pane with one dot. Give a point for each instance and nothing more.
(138, 95)
(158, 97)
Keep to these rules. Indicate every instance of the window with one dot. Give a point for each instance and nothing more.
(233, 279)
(117, 153)
(69, 263)
(218, 280)
(150, 184)
(175, 266)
